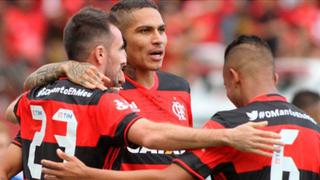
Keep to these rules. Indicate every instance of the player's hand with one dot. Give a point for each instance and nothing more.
(72, 168)
(248, 138)
(87, 75)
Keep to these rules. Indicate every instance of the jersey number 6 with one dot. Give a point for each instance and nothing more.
(282, 163)
(68, 141)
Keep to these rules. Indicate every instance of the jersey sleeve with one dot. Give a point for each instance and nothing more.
(18, 106)
(115, 117)
(200, 163)
(17, 140)
(189, 111)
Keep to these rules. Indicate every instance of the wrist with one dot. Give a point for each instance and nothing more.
(87, 173)
(227, 137)
(65, 67)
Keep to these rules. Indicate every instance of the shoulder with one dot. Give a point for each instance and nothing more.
(168, 81)
(67, 92)
(235, 117)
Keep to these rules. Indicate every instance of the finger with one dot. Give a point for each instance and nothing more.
(87, 84)
(63, 155)
(101, 87)
(91, 79)
(51, 172)
(262, 153)
(50, 177)
(94, 74)
(270, 141)
(51, 164)
(258, 124)
(270, 134)
(268, 147)
(106, 81)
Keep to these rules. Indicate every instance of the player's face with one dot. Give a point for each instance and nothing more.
(146, 39)
(116, 58)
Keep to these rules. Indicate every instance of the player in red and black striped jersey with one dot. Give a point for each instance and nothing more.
(250, 82)
(91, 124)
(167, 101)
(62, 115)
(299, 159)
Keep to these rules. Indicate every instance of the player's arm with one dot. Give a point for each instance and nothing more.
(9, 113)
(73, 168)
(246, 137)
(83, 74)
(11, 163)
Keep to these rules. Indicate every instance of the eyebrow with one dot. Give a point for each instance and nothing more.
(151, 26)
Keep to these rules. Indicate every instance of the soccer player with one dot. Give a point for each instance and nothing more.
(250, 82)
(308, 101)
(154, 94)
(159, 96)
(91, 124)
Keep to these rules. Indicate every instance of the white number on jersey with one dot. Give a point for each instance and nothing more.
(282, 163)
(68, 141)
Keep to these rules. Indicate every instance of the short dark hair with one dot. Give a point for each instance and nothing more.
(120, 10)
(83, 30)
(246, 39)
(305, 98)
(128, 5)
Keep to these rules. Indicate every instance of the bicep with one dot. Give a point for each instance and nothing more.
(139, 130)
(10, 114)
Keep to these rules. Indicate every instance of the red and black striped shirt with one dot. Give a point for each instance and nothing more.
(300, 157)
(167, 101)
(85, 123)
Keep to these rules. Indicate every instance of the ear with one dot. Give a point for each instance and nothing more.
(276, 78)
(234, 76)
(100, 54)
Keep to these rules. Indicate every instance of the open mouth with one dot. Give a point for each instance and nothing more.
(156, 54)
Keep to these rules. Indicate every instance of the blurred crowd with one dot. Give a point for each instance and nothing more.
(197, 30)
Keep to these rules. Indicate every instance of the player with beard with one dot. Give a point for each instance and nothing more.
(298, 159)
(156, 95)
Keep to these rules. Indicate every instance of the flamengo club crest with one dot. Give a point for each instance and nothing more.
(179, 110)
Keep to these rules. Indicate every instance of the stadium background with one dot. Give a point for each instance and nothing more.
(197, 30)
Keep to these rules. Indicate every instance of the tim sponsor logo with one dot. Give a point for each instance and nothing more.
(65, 91)
(255, 114)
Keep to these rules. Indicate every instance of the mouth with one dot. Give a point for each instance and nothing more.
(157, 55)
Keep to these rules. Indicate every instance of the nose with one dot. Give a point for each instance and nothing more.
(158, 37)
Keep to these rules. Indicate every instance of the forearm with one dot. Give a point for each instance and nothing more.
(45, 74)
(11, 162)
(172, 137)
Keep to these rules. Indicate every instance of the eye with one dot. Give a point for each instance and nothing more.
(123, 67)
(144, 30)
(162, 29)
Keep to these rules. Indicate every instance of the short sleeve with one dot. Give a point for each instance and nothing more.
(114, 118)
(17, 140)
(200, 163)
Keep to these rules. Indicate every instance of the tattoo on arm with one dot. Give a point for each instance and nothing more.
(44, 75)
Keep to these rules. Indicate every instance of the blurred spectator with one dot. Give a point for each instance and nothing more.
(308, 101)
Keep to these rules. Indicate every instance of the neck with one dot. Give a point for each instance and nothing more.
(257, 89)
(145, 78)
